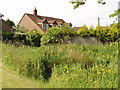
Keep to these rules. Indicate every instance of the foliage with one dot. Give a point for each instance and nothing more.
(18, 28)
(67, 69)
(10, 23)
(82, 2)
(55, 34)
(7, 36)
(83, 32)
(105, 34)
(51, 36)
(33, 38)
(116, 13)
(91, 31)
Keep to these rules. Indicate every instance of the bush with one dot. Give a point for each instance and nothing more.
(105, 34)
(83, 32)
(18, 37)
(33, 38)
(55, 34)
(7, 36)
(52, 35)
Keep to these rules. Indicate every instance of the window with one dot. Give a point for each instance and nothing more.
(45, 26)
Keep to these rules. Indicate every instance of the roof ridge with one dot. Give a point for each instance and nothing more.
(45, 16)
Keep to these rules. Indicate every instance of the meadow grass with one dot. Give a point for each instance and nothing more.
(12, 79)
(73, 66)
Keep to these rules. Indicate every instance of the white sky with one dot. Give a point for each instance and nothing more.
(86, 14)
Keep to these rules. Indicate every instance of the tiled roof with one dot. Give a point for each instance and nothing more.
(41, 19)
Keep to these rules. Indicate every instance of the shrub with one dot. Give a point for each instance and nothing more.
(83, 32)
(18, 37)
(55, 34)
(91, 31)
(52, 35)
(33, 38)
(105, 34)
(28, 37)
(7, 36)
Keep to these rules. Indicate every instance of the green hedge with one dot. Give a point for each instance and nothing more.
(31, 38)
(55, 34)
(7, 36)
(105, 34)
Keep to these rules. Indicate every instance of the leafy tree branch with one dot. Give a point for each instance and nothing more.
(77, 3)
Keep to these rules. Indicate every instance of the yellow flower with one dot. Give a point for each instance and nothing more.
(65, 67)
(96, 66)
(98, 72)
(102, 69)
(110, 81)
(113, 72)
(110, 70)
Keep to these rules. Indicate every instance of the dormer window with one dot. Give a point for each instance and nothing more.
(45, 26)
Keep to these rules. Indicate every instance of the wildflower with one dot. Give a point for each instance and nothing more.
(96, 66)
(110, 70)
(65, 67)
(98, 72)
(102, 70)
(113, 72)
(110, 81)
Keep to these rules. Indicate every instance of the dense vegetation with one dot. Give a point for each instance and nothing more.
(64, 65)
(71, 66)
(104, 34)
(31, 38)
(57, 35)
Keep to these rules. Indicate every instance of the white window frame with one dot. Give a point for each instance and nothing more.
(44, 27)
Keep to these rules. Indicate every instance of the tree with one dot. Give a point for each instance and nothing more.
(18, 28)
(115, 14)
(82, 2)
(10, 23)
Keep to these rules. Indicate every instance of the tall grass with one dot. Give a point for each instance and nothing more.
(67, 66)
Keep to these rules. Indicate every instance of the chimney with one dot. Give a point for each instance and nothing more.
(35, 12)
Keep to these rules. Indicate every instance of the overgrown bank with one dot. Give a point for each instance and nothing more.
(66, 65)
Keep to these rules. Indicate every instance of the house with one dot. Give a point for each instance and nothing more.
(4, 26)
(40, 23)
